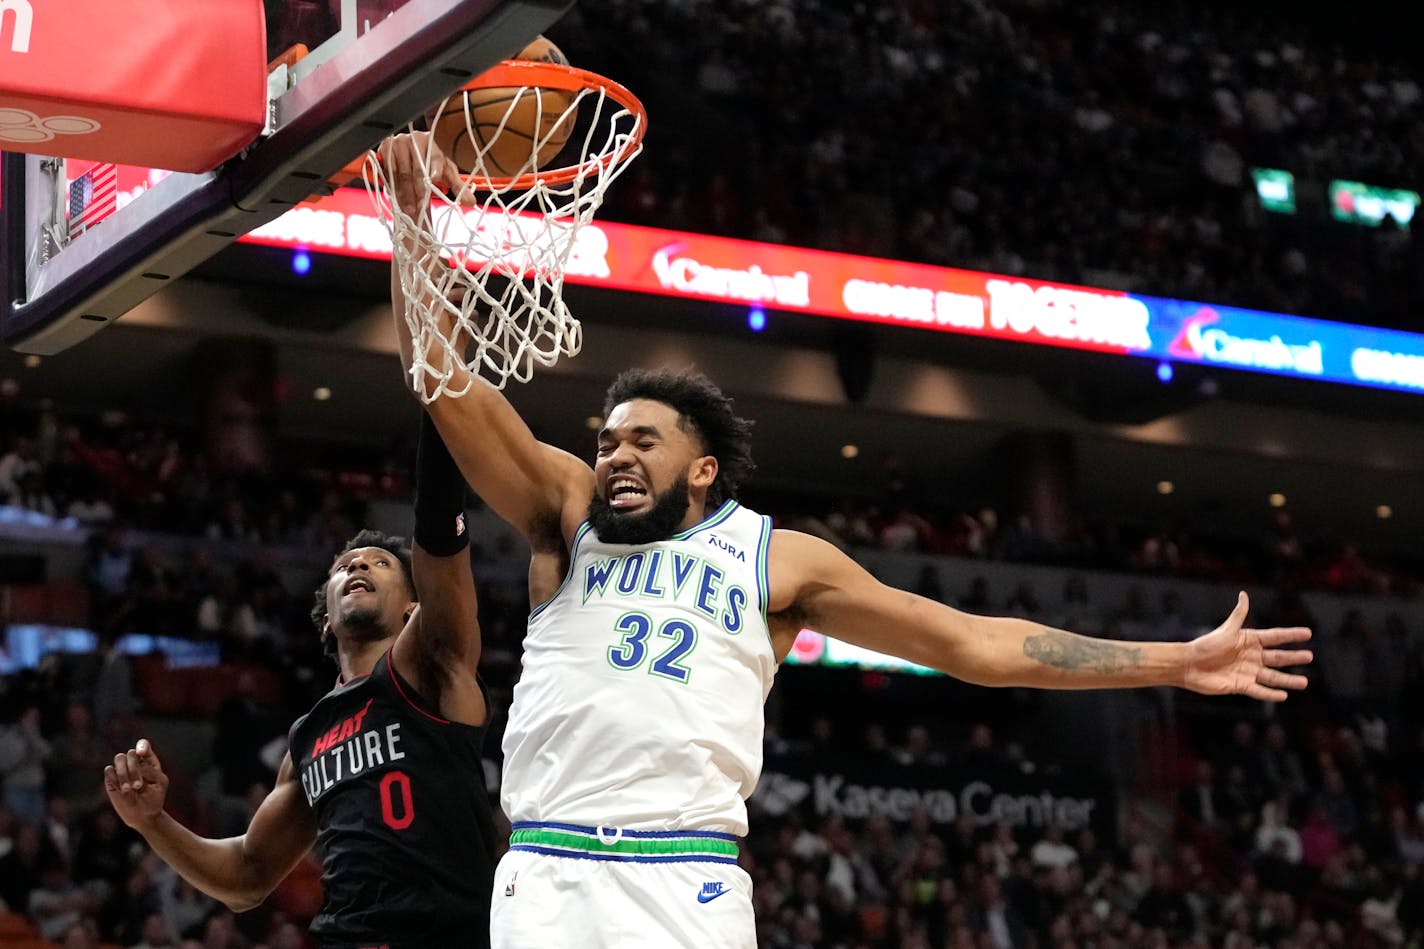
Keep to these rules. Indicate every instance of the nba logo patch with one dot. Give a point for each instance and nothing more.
(459, 525)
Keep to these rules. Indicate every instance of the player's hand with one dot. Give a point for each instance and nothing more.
(1234, 660)
(136, 785)
(406, 159)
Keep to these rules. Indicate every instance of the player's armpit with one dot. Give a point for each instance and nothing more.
(439, 649)
(534, 487)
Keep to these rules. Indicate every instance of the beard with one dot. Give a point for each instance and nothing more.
(364, 624)
(659, 522)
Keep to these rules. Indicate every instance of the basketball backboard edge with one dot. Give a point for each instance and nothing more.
(418, 55)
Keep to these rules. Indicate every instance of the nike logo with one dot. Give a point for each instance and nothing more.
(710, 891)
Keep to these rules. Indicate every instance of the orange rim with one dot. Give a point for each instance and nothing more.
(523, 72)
(294, 54)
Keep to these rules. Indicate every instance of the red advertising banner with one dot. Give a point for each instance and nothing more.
(699, 266)
(916, 296)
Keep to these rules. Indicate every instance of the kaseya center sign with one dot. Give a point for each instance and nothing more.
(857, 790)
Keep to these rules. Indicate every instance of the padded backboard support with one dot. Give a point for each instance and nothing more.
(362, 92)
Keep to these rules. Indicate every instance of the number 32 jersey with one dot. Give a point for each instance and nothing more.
(644, 676)
(403, 817)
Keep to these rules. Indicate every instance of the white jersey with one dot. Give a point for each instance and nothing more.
(640, 703)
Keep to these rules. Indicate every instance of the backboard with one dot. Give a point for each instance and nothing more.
(369, 67)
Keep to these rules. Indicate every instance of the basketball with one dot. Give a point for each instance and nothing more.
(535, 116)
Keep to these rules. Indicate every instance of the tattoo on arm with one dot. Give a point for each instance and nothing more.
(1066, 651)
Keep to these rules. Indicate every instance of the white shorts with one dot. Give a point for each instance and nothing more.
(566, 887)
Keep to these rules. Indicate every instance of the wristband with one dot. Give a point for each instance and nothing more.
(439, 495)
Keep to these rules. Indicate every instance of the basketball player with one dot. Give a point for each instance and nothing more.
(661, 608)
(385, 772)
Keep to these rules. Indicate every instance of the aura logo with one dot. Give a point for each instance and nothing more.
(24, 21)
(1200, 339)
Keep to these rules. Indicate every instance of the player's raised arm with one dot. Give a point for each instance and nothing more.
(815, 585)
(534, 487)
(439, 649)
(239, 871)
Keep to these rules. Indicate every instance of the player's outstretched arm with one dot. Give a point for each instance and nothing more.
(439, 649)
(238, 871)
(536, 488)
(816, 586)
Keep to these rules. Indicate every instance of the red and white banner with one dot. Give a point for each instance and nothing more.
(918, 296)
(779, 277)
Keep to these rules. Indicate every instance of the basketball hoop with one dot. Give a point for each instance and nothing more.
(495, 307)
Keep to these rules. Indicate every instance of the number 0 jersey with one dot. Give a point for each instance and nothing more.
(403, 817)
(644, 676)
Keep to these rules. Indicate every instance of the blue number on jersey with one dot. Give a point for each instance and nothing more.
(667, 663)
(633, 648)
(629, 654)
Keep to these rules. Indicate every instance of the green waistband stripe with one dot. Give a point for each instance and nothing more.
(641, 846)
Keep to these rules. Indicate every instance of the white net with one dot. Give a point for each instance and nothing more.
(483, 269)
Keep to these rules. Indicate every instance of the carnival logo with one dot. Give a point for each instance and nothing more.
(1199, 339)
(1188, 342)
(687, 275)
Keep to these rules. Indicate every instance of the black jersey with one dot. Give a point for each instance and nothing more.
(403, 818)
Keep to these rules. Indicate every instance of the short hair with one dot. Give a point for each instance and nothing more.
(703, 409)
(399, 547)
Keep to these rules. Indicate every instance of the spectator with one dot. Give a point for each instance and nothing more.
(81, 935)
(155, 934)
(929, 585)
(22, 867)
(17, 467)
(1163, 906)
(23, 754)
(1052, 852)
(918, 749)
(1319, 838)
(245, 724)
(994, 917)
(57, 902)
(1280, 765)
(115, 704)
(184, 908)
(1275, 836)
(109, 565)
(977, 599)
(78, 755)
(225, 615)
(1076, 612)
(1200, 802)
(154, 587)
(102, 852)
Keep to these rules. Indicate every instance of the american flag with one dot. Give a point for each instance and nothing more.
(93, 196)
